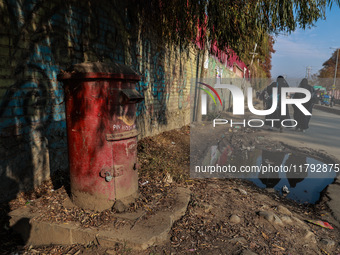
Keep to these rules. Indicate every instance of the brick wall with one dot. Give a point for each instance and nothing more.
(38, 39)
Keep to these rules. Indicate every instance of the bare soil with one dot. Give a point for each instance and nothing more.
(206, 228)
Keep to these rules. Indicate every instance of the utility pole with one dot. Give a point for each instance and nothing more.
(251, 63)
(308, 71)
(253, 53)
(336, 67)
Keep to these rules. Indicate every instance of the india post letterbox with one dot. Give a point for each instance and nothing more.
(100, 104)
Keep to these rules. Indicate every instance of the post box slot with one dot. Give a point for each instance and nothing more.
(122, 136)
(130, 96)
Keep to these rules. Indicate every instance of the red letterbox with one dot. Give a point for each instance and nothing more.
(102, 136)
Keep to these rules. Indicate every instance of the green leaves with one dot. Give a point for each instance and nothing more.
(235, 24)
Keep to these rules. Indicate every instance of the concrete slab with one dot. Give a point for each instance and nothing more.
(144, 233)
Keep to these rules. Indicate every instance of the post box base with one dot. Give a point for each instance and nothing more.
(98, 203)
(92, 202)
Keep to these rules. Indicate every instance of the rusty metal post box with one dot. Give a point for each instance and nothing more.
(100, 104)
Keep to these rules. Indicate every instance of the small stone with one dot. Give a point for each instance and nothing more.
(284, 210)
(119, 206)
(242, 191)
(286, 219)
(247, 252)
(310, 236)
(271, 217)
(327, 242)
(234, 219)
(238, 240)
(277, 220)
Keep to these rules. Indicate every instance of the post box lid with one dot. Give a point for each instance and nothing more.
(99, 70)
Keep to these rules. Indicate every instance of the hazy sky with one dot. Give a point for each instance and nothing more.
(310, 47)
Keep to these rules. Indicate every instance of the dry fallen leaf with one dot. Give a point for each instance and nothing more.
(281, 248)
(265, 236)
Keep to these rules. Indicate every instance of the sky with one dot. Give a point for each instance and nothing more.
(306, 48)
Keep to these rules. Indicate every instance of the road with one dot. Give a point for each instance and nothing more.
(323, 134)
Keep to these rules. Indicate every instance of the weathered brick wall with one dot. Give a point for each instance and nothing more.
(166, 76)
(40, 38)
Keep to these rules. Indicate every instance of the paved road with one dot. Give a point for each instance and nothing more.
(323, 134)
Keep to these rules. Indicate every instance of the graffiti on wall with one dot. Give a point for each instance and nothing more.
(41, 39)
(144, 67)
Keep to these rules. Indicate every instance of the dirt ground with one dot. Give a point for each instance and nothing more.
(224, 216)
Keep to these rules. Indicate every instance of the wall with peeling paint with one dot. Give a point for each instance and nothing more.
(40, 38)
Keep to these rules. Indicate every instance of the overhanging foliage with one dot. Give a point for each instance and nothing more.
(237, 24)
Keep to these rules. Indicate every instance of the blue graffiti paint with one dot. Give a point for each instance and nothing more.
(145, 76)
(40, 69)
(182, 83)
(142, 87)
(158, 86)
